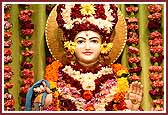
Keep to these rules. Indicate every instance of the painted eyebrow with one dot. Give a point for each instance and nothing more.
(89, 38)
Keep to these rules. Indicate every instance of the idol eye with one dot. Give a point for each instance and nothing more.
(80, 41)
(94, 41)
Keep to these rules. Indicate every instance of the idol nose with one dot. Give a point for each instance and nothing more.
(87, 47)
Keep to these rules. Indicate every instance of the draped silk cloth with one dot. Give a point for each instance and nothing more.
(40, 49)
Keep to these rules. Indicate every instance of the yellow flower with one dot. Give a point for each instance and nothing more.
(106, 48)
(121, 72)
(52, 84)
(87, 9)
(71, 46)
(122, 84)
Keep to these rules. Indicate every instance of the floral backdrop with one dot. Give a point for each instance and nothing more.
(26, 54)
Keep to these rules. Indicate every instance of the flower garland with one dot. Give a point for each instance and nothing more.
(70, 89)
(156, 49)
(132, 42)
(27, 29)
(8, 97)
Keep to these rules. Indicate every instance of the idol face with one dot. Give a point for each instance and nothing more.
(87, 47)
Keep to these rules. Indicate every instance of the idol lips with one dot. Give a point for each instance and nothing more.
(87, 53)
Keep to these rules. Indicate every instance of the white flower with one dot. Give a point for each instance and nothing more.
(88, 85)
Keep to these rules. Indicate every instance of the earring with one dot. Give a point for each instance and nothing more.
(70, 46)
(106, 48)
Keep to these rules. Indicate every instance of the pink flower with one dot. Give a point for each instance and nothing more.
(155, 16)
(8, 96)
(132, 27)
(7, 25)
(157, 109)
(132, 20)
(131, 9)
(155, 68)
(135, 78)
(7, 6)
(9, 103)
(134, 60)
(155, 35)
(8, 43)
(26, 12)
(134, 40)
(27, 53)
(26, 73)
(158, 102)
(155, 42)
(7, 59)
(157, 49)
(157, 84)
(7, 75)
(133, 50)
(155, 77)
(154, 8)
(24, 18)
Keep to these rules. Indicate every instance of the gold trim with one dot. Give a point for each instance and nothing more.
(55, 34)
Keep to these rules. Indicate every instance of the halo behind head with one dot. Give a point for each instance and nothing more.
(54, 37)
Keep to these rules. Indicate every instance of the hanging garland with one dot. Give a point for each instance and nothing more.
(133, 42)
(156, 49)
(8, 97)
(26, 30)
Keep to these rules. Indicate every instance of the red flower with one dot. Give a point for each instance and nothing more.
(24, 89)
(7, 51)
(26, 73)
(26, 65)
(7, 6)
(135, 70)
(132, 27)
(27, 32)
(7, 68)
(132, 20)
(87, 95)
(24, 18)
(29, 81)
(7, 16)
(9, 103)
(157, 59)
(7, 35)
(8, 85)
(27, 43)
